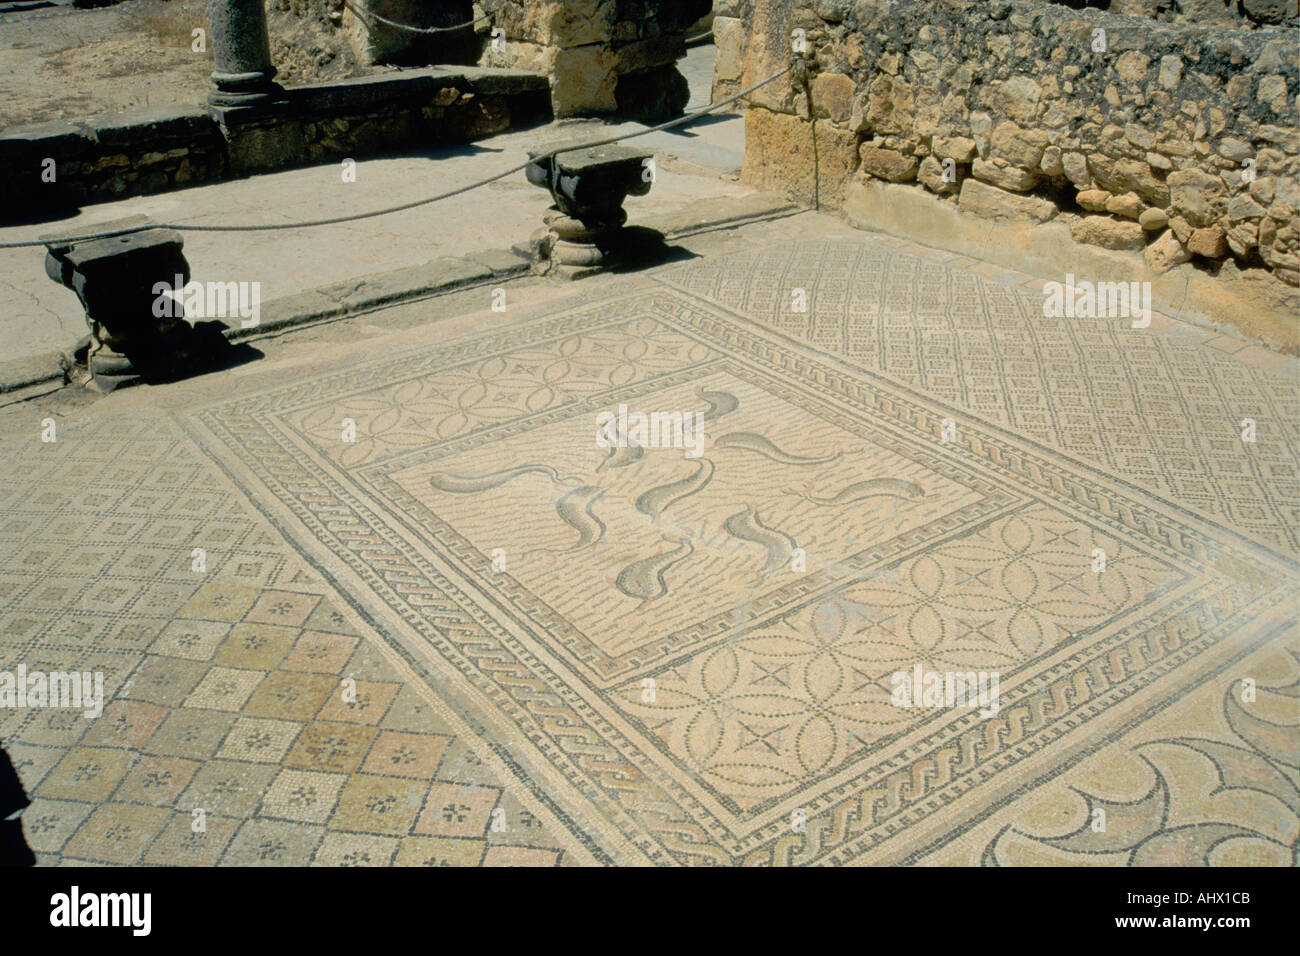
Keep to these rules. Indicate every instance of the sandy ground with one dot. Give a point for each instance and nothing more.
(60, 63)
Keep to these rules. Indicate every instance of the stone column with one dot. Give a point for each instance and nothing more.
(241, 53)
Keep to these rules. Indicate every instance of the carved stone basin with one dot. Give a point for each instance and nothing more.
(587, 181)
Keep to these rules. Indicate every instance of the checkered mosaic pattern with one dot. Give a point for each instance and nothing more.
(223, 694)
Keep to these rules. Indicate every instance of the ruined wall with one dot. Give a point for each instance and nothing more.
(601, 56)
(56, 165)
(730, 32)
(1206, 13)
(1172, 139)
(372, 41)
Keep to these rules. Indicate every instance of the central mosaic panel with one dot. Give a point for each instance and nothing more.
(628, 553)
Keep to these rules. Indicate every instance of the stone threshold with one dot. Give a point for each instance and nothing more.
(439, 276)
(452, 273)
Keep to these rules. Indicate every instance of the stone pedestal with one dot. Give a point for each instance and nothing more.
(584, 229)
(115, 281)
(241, 53)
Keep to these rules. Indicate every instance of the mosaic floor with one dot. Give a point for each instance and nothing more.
(439, 624)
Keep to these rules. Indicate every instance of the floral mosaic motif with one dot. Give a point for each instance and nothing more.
(271, 850)
(118, 833)
(1258, 813)
(302, 797)
(381, 804)
(1004, 595)
(761, 714)
(456, 812)
(776, 707)
(433, 408)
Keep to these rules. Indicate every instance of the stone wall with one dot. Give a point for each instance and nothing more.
(373, 41)
(730, 28)
(61, 164)
(1206, 13)
(602, 56)
(154, 150)
(1168, 139)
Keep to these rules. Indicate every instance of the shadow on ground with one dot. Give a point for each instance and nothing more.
(14, 850)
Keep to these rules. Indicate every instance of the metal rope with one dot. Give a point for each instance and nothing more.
(363, 12)
(335, 220)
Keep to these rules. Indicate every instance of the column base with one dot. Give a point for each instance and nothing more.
(570, 248)
(245, 89)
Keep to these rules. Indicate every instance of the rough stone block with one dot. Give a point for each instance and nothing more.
(1018, 98)
(888, 164)
(990, 202)
(1019, 147)
(1171, 72)
(271, 144)
(832, 96)
(561, 23)
(1075, 166)
(1052, 163)
(1197, 196)
(767, 50)
(931, 175)
(728, 44)
(1165, 253)
(810, 162)
(998, 173)
(1129, 206)
(1121, 176)
(958, 148)
(1093, 200)
(1242, 238)
(1210, 242)
(1153, 220)
(1108, 233)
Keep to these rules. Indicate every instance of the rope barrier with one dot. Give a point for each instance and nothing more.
(363, 12)
(355, 217)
